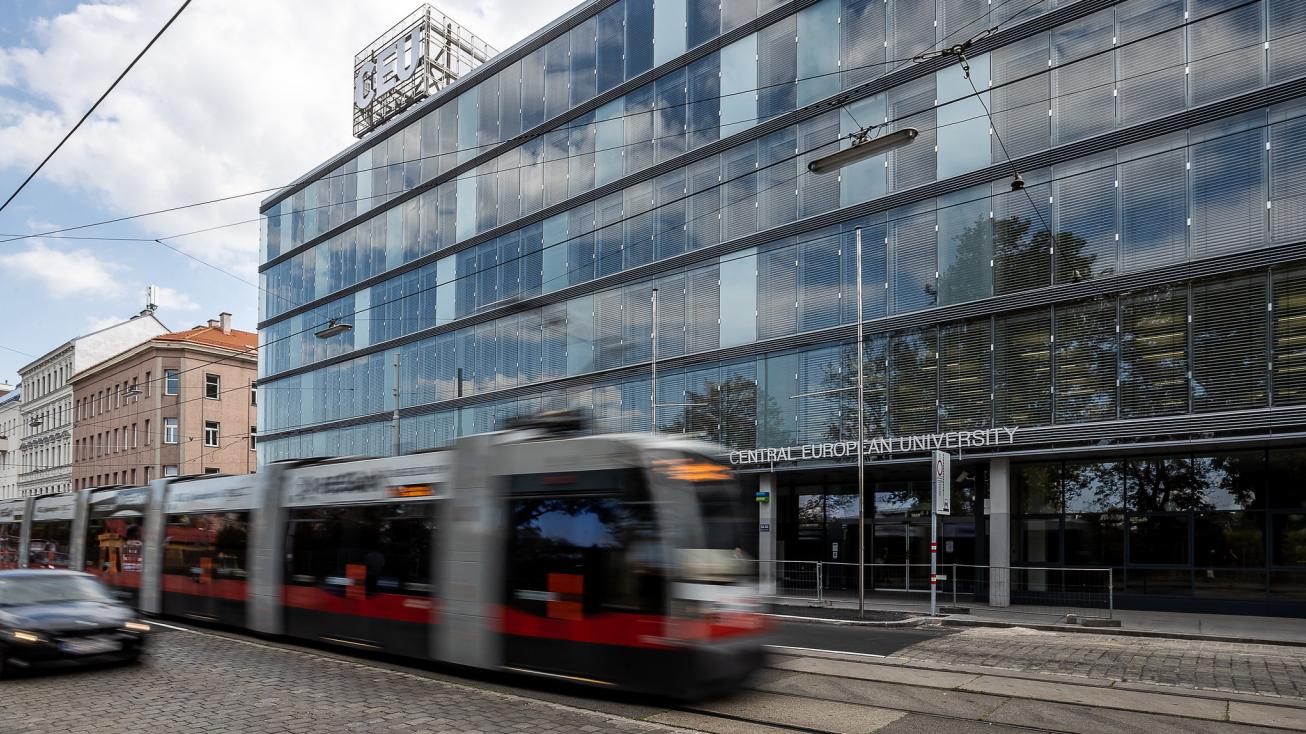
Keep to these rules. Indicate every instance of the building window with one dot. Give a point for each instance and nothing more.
(171, 382)
(136, 389)
(211, 470)
(115, 440)
(133, 481)
(134, 444)
(212, 386)
(253, 394)
(170, 430)
(169, 471)
(117, 396)
(252, 438)
(149, 474)
(147, 431)
(210, 433)
(148, 384)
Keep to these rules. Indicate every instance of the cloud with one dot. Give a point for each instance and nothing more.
(95, 323)
(64, 274)
(174, 300)
(237, 96)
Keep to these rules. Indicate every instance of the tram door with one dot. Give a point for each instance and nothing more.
(583, 582)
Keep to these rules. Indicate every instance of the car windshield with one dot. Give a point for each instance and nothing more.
(20, 590)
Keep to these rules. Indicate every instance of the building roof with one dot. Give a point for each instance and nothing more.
(144, 314)
(213, 336)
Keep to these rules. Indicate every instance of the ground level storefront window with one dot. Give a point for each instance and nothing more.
(1228, 525)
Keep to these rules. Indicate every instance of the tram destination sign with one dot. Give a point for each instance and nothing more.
(888, 446)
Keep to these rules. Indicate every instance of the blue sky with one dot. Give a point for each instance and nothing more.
(239, 95)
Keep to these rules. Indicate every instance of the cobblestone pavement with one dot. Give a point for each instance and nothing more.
(1220, 666)
(203, 683)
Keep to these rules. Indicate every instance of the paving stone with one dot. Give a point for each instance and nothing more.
(1222, 666)
(205, 683)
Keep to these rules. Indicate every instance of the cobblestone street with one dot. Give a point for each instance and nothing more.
(1263, 669)
(216, 685)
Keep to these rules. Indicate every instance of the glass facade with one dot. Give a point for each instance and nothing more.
(502, 240)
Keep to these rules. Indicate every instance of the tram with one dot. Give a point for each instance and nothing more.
(611, 560)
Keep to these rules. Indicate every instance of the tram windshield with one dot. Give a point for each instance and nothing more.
(719, 546)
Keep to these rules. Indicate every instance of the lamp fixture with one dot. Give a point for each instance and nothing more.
(334, 328)
(863, 147)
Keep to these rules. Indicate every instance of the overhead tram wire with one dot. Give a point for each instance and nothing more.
(741, 256)
(565, 274)
(112, 86)
(562, 275)
(1017, 80)
(991, 117)
(517, 140)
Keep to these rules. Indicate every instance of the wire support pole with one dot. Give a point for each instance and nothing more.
(653, 369)
(861, 440)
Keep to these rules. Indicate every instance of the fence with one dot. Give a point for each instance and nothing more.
(1035, 590)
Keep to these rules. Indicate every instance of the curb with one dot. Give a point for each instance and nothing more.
(909, 622)
(1075, 629)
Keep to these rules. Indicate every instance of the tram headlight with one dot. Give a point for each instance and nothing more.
(24, 636)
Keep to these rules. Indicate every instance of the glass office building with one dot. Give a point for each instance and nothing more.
(1136, 312)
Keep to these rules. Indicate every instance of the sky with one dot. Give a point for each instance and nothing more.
(237, 96)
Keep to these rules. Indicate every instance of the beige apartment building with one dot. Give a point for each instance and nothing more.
(179, 404)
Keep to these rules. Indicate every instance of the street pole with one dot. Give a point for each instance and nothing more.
(861, 444)
(653, 370)
(394, 420)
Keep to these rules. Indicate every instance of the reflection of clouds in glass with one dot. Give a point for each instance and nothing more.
(582, 530)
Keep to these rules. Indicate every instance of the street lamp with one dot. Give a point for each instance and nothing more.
(863, 147)
(334, 328)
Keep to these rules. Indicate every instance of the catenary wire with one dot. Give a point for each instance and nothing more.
(565, 274)
(86, 116)
(1077, 172)
(520, 139)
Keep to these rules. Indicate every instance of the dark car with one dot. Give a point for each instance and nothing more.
(49, 617)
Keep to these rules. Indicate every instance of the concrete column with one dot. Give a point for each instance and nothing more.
(766, 532)
(999, 512)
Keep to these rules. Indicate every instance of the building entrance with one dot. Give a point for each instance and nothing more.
(817, 517)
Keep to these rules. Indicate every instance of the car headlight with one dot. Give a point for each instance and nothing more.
(136, 627)
(25, 636)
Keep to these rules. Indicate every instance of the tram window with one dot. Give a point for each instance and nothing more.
(49, 545)
(725, 516)
(10, 533)
(387, 547)
(113, 545)
(220, 537)
(584, 542)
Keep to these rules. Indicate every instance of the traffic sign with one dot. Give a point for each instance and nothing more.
(942, 470)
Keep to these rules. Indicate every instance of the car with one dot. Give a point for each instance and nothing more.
(61, 617)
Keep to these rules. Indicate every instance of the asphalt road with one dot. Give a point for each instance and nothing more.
(860, 640)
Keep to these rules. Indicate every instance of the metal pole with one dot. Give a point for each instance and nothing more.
(934, 561)
(861, 442)
(395, 419)
(653, 369)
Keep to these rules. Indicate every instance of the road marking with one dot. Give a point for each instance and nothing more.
(169, 626)
(836, 652)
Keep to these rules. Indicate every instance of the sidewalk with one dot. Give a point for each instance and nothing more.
(1269, 630)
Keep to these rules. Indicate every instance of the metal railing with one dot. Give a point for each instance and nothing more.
(1056, 591)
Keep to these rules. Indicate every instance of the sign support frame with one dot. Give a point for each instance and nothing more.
(940, 471)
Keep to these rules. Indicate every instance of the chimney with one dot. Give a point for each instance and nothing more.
(213, 323)
(225, 318)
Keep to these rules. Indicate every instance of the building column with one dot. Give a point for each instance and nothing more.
(766, 532)
(999, 512)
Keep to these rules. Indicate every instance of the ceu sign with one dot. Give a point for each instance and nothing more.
(384, 71)
(952, 440)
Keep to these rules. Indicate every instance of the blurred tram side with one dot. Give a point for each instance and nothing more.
(613, 560)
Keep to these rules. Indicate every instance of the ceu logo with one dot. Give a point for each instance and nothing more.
(388, 68)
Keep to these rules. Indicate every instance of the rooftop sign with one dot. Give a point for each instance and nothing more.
(421, 54)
